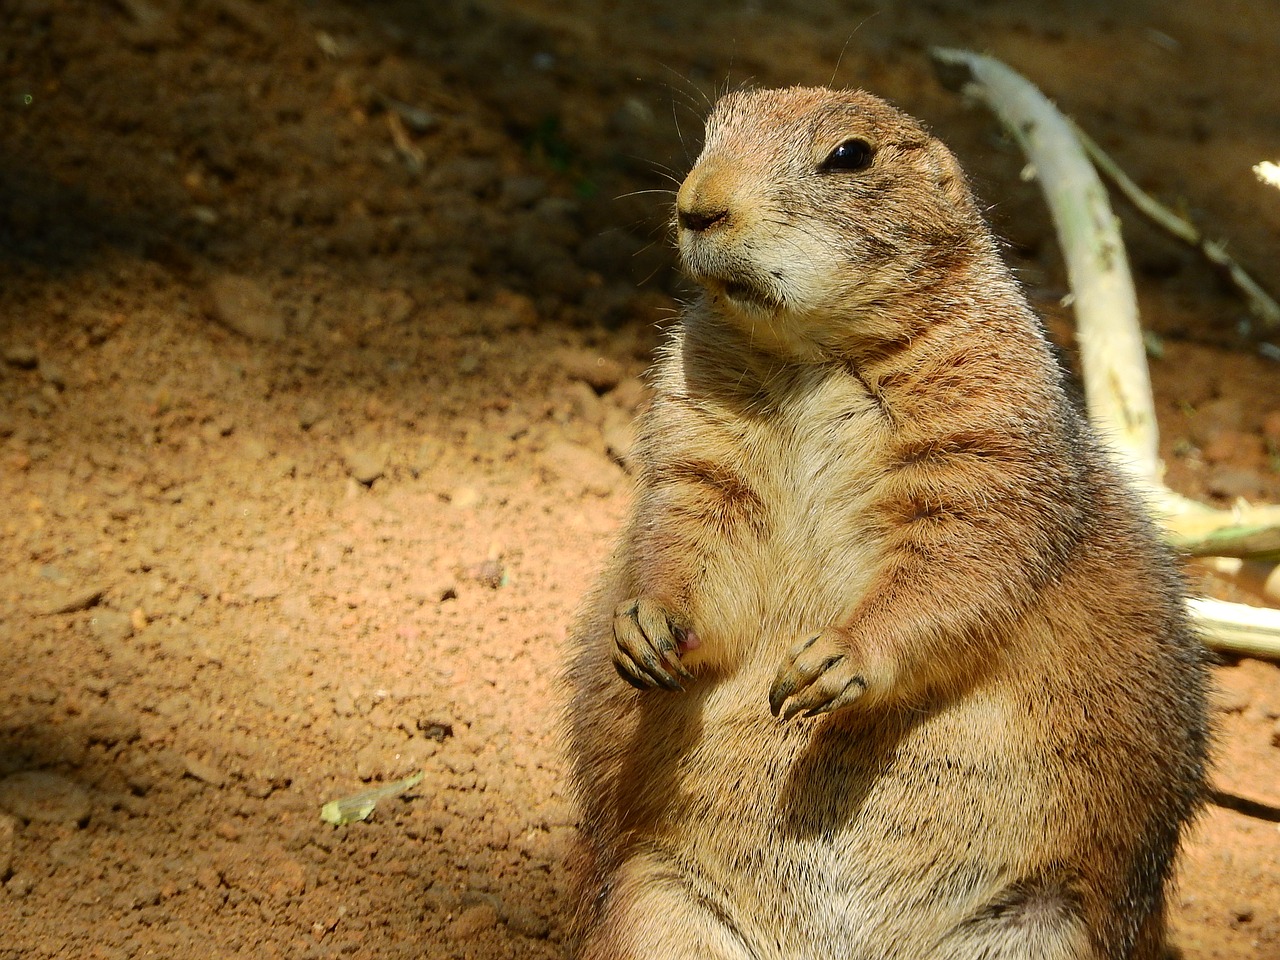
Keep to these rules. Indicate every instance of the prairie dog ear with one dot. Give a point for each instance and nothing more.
(949, 177)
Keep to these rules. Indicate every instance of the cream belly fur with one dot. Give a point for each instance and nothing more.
(888, 662)
(743, 596)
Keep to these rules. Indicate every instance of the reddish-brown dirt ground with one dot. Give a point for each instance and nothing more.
(242, 575)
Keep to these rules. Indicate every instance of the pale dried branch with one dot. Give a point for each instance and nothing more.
(1268, 173)
(1237, 627)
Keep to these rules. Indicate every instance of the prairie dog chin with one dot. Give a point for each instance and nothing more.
(888, 662)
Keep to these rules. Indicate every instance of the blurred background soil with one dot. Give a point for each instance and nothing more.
(322, 327)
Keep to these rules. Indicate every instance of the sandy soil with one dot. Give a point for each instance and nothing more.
(321, 329)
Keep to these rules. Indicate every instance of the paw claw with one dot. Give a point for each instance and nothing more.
(817, 677)
(647, 646)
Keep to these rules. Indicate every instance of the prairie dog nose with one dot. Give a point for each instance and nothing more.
(700, 219)
(702, 203)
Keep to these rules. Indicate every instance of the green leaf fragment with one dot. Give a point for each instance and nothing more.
(358, 806)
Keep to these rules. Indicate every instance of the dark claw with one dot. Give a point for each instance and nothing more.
(647, 649)
(625, 672)
(813, 682)
(671, 660)
(793, 708)
(779, 693)
(660, 676)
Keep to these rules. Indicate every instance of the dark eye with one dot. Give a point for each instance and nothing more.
(850, 155)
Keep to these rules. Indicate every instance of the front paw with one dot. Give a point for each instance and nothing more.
(818, 675)
(647, 646)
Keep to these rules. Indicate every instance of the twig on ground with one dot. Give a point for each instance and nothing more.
(1249, 533)
(410, 152)
(1261, 304)
(1237, 627)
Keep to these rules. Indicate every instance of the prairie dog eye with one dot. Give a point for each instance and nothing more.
(851, 155)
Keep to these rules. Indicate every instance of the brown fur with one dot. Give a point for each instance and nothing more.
(865, 501)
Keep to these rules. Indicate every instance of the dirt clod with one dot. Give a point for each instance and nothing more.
(44, 797)
(244, 305)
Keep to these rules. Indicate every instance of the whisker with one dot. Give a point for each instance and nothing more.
(848, 40)
(649, 190)
(689, 88)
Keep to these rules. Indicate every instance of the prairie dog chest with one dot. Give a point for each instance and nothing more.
(763, 512)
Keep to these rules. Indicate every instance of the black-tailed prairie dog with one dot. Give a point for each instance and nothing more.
(908, 674)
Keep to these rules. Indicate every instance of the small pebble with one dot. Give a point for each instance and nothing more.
(111, 626)
(370, 761)
(629, 395)
(310, 412)
(44, 797)
(8, 834)
(243, 305)
(368, 463)
(490, 573)
(106, 724)
(464, 498)
(22, 355)
(585, 405)
(592, 472)
(510, 311)
(432, 729)
(20, 885)
(262, 588)
(254, 449)
(472, 922)
(600, 373)
(204, 771)
(526, 923)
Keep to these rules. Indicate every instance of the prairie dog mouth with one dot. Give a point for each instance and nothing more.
(748, 293)
(730, 277)
(742, 292)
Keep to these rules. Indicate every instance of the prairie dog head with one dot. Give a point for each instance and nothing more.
(810, 210)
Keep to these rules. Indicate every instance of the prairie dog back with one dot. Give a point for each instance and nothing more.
(888, 662)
